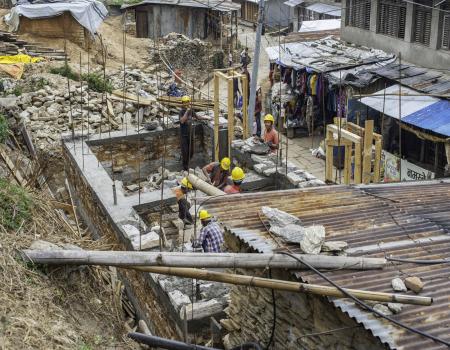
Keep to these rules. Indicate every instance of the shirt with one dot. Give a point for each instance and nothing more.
(185, 127)
(271, 136)
(230, 189)
(217, 175)
(211, 238)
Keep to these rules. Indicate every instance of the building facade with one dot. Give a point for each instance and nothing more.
(419, 29)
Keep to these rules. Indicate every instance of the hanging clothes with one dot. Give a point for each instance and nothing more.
(313, 84)
(309, 113)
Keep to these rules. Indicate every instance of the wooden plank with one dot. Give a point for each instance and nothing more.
(367, 154)
(358, 151)
(27, 137)
(14, 171)
(345, 134)
(143, 101)
(247, 128)
(347, 164)
(64, 206)
(216, 117)
(230, 115)
(329, 156)
(73, 206)
(377, 166)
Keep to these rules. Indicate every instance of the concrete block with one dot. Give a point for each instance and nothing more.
(270, 171)
(147, 241)
(178, 299)
(294, 178)
(202, 309)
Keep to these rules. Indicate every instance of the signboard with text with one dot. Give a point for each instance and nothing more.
(392, 166)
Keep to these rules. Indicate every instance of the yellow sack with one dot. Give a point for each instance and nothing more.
(20, 58)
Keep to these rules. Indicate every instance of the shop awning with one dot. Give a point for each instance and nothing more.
(325, 9)
(320, 25)
(293, 3)
(425, 112)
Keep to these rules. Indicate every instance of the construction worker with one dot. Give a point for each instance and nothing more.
(211, 234)
(237, 176)
(270, 136)
(187, 143)
(183, 204)
(218, 173)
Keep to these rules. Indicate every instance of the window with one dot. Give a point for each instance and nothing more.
(358, 14)
(422, 23)
(446, 28)
(392, 18)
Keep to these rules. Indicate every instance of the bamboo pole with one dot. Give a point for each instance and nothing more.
(216, 117)
(204, 186)
(367, 152)
(284, 285)
(210, 260)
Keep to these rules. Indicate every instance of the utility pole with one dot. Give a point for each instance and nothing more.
(254, 80)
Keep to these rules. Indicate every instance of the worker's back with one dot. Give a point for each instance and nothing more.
(231, 189)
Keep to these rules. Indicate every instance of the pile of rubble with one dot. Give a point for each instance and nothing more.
(265, 163)
(183, 53)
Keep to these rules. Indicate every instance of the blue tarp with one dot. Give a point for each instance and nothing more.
(435, 117)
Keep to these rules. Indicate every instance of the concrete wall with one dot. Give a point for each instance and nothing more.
(165, 19)
(431, 56)
(277, 13)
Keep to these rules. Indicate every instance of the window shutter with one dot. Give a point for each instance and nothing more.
(392, 18)
(358, 14)
(446, 32)
(422, 28)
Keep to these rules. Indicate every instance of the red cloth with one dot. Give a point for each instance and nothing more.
(230, 189)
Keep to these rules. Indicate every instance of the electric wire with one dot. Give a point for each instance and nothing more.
(366, 306)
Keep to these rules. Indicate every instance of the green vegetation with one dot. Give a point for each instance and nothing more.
(15, 205)
(65, 71)
(17, 90)
(4, 128)
(95, 80)
(97, 83)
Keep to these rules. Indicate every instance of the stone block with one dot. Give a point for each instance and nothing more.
(398, 285)
(383, 309)
(395, 307)
(294, 178)
(202, 309)
(270, 171)
(414, 283)
(334, 246)
(178, 299)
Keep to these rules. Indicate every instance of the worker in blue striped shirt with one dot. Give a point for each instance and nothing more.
(211, 234)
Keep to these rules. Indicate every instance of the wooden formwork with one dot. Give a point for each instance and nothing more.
(360, 141)
(228, 76)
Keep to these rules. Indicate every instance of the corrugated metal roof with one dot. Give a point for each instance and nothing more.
(417, 78)
(408, 220)
(320, 25)
(425, 112)
(325, 55)
(329, 10)
(216, 5)
(293, 3)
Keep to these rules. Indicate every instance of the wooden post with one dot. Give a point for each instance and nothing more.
(347, 163)
(367, 156)
(230, 115)
(14, 171)
(329, 155)
(357, 166)
(247, 128)
(216, 117)
(377, 166)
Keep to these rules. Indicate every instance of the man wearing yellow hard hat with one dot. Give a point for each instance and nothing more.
(218, 172)
(237, 176)
(270, 136)
(183, 204)
(211, 234)
(187, 143)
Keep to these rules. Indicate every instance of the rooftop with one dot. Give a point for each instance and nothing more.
(405, 220)
(217, 5)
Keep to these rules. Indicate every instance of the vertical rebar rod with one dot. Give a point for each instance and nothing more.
(400, 111)
(81, 112)
(124, 42)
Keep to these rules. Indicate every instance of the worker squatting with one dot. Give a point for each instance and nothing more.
(218, 174)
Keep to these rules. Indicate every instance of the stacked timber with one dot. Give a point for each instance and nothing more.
(199, 104)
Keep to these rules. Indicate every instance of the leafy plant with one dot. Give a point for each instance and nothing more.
(15, 205)
(4, 128)
(65, 71)
(97, 83)
(17, 90)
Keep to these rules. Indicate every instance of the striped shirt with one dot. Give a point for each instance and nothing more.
(211, 238)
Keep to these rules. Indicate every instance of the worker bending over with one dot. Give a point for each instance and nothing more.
(237, 176)
(270, 136)
(183, 204)
(187, 143)
(211, 234)
(218, 173)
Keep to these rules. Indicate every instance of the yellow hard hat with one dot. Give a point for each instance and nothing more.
(225, 163)
(204, 215)
(185, 99)
(269, 118)
(185, 183)
(237, 174)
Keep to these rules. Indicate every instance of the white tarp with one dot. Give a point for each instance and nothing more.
(319, 25)
(90, 14)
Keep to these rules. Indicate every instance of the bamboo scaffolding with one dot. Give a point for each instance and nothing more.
(288, 286)
(203, 260)
(172, 101)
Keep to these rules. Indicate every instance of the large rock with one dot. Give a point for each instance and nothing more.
(279, 218)
(398, 285)
(383, 309)
(313, 238)
(414, 283)
(334, 246)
